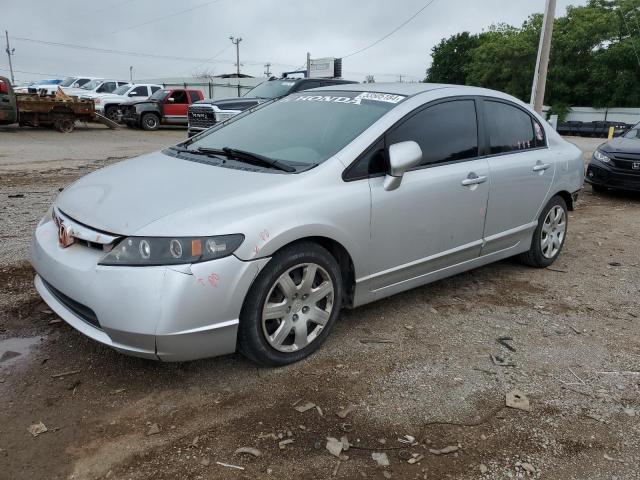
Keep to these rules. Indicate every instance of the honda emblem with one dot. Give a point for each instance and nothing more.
(635, 165)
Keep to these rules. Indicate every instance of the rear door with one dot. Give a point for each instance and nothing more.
(435, 218)
(175, 107)
(521, 173)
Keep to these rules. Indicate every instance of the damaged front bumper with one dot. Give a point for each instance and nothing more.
(175, 313)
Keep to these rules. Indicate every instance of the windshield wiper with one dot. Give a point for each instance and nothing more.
(255, 158)
(211, 152)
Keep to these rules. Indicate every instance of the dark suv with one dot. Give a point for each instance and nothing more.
(206, 113)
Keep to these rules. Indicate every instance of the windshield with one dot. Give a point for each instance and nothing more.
(634, 132)
(159, 95)
(302, 129)
(91, 85)
(67, 82)
(122, 90)
(271, 89)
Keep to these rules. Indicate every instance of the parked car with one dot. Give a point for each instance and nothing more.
(616, 163)
(68, 82)
(95, 87)
(165, 107)
(34, 87)
(256, 233)
(592, 129)
(108, 104)
(206, 113)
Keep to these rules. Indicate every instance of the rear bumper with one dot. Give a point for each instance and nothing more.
(604, 176)
(177, 313)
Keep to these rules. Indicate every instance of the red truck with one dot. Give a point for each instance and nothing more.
(165, 107)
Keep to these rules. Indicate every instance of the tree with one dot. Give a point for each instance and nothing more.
(451, 58)
(595, 57)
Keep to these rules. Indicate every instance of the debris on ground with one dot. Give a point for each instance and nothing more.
(446, 450)
(615, 264)
(37, 429)
(415, 458)
(483, 468)
(345, 411)
(501, 362)
(408, 439)
(16, 195)
(346, 427)
(303, 407)
(284, 443)
(504, 341)
(334, 446)
(250, 451)
(517, 399)
(65, 374)
(528, 467)
(375, 340)
(381, 458)
(154, 429)
(205, 462)
(55, 321)
(228, 465)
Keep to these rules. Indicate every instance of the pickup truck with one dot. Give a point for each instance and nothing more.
(107, 104)
(206, 113)
(165, 107)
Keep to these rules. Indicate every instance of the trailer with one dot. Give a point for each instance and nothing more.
(59, 111)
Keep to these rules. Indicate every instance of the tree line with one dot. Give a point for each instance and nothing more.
(595, 57)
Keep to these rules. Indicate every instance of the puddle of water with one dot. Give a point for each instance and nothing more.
(13, 350)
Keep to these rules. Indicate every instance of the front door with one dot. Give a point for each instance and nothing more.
(435, 219)
(175, 107)
(521, 174)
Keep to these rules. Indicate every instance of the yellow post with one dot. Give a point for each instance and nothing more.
(611, 130)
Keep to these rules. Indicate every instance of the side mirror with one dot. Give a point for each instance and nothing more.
(403, 157)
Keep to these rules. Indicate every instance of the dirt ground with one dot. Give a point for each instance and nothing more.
(416, 364)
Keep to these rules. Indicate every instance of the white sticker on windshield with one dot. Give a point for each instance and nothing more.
(287, 84)
(380, 97)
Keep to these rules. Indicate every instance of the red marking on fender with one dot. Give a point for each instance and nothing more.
(264, 235)
(213, 280)
(201, 282)
(256, 250)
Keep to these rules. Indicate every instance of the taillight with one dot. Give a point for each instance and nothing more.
(3, 87)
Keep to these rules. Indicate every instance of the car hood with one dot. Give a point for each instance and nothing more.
(621, 145)
(222, 104)
(190, 197)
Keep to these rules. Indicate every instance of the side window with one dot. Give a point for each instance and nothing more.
(373, 161)
(510, 128)
(107, 87)
(81, 81)
(122, 83)
(139, 92)
(194, 96)
(179, 96)
(154, 89)
(445, 132)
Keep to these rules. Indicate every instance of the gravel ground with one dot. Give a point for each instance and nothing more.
(574, 328)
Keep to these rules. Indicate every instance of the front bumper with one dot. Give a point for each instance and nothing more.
(129, 116)
(603, 175)
(168, 313)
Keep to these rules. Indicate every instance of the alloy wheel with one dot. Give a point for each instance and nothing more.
(297, 307)
(553, 231)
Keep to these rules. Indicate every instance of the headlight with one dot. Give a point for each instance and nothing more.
(598, 155)
(146, 251)
(222, 116)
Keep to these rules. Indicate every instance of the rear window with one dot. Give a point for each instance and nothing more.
(511, 129)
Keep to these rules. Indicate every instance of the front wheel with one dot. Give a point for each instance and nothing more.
(549, 235)
(150, 121)
(291, 306)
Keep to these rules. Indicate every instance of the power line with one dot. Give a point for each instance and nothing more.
(131, 27)
(391, 32)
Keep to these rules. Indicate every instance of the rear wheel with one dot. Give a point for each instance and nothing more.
(150, 121)
(64, 124)
(292, 305)
(549, 235)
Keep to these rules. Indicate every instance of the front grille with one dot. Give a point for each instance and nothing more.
(625, 162)
(80, 310)
(201, 116)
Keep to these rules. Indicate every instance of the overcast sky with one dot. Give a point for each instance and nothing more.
(272, 31)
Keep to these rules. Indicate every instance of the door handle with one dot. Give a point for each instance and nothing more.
(473, 179)
(540, 167)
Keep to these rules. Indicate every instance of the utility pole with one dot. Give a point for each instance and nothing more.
(236, 42)
(400, 78)
(267, 72)
(131, 73)
(542, 62)
(10, 52)
(308, 65)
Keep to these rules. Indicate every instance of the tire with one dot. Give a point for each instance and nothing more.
(266, 341)
(111, 112)
(64, 124)
(150, 121)
(556, 234)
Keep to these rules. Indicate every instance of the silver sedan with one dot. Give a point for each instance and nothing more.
(253, 235)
